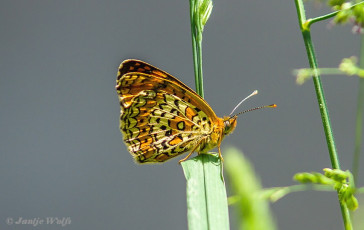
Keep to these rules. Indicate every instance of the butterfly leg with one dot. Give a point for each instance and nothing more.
(220, 155)
(188, 156)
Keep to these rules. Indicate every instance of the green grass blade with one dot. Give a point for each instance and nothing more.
(253, 210)
(359, 118)
(207, 206)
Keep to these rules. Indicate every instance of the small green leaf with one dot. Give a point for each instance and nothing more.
(302, 75)
(201, 11)
(313, 177)
(336, 174)
(352, 203)
(205, 11)
(341, 181)
(333, 3)
(349, 12)
(348, 66)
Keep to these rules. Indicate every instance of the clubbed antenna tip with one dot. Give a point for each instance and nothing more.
(256, 108)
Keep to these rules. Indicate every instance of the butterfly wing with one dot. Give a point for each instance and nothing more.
(160, 116)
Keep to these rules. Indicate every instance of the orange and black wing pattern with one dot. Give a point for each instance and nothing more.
(160, 117)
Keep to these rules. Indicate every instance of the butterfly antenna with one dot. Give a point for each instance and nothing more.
(260, 107)
(252, 94)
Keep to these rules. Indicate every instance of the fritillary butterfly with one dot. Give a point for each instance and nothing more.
(162, 118)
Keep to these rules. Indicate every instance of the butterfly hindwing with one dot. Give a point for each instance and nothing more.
(160, 117)
(159, 126)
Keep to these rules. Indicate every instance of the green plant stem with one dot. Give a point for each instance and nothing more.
(207, 206)
(359, 117)
(200, 72)
(321, 102)
(196, 50)
(274, 194)
(327, 16)
(318, 87)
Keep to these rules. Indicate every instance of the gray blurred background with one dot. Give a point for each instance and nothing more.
(61, 152)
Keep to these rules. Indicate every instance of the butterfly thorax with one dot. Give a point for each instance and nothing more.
(223, 127)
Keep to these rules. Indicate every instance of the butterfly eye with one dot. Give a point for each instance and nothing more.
(229, 125)
(226, 126)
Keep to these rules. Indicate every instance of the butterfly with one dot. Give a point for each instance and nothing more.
(162, 118)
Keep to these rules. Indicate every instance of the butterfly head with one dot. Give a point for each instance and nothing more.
(229, 124)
